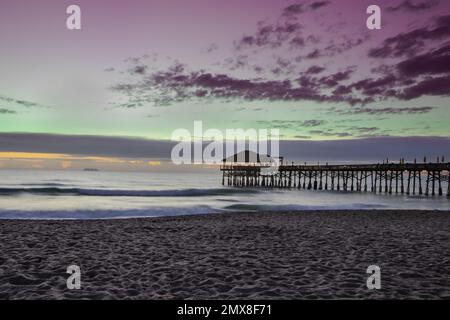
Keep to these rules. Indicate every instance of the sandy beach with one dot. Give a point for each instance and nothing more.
(285, 255)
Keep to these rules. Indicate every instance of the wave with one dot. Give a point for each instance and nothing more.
(103, 214)
(50, 184)
(296, 207)
(86, 214)
(55, 191)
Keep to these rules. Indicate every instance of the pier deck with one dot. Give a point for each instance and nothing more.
(403, 178)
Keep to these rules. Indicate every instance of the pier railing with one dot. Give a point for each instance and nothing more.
(404, 178)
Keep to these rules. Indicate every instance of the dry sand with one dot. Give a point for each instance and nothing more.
(292, 255)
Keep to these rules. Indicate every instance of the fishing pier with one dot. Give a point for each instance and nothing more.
(392, 178)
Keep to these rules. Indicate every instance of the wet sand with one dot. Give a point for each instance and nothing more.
(289, 255)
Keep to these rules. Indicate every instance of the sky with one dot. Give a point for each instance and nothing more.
(141, 69)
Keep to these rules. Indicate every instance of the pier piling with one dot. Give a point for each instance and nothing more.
(345, 177)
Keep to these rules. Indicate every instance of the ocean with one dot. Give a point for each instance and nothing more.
(39, 194)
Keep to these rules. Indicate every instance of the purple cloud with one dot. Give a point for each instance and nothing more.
(412, 42)
(432, 87)
(273, 36)
(334, 79)
(434, 62)
(420, 73)
(177, 84)
(139, 70)
(318, 4)
(315, 70)
(302, 7)
(314, 54)
(408, 5)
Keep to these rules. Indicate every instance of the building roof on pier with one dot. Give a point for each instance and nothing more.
(248, 156)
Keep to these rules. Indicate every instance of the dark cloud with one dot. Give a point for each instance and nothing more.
(334, 79)
(330, 133)
(432, 87)
(314, 54)
(318, 4)
(139, 69)
(410, 43)
(349, 131)
(297, 42)
(315, 70)
(341, 134)
(362, 91)
(238, 62)
(344, 43)
(370, 149)
(294, 9)
(425, 74)
(20, 102)
(342, 90)
(287, 44)
(415, 76)
(298, 8)
(27, 104)
(366, 149)
(7, 111)
(434, 62)
(364, 129)
(292, 124)
(313, 123)
(388, 110)
(177, 84)
(272, 35)
(376, 87)
(336, 45)
(409, 5)
(212, 47)
(85, 145)
(419, 75)
(283, 66)
(287, 32)
(410, 79)
(6, 99)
